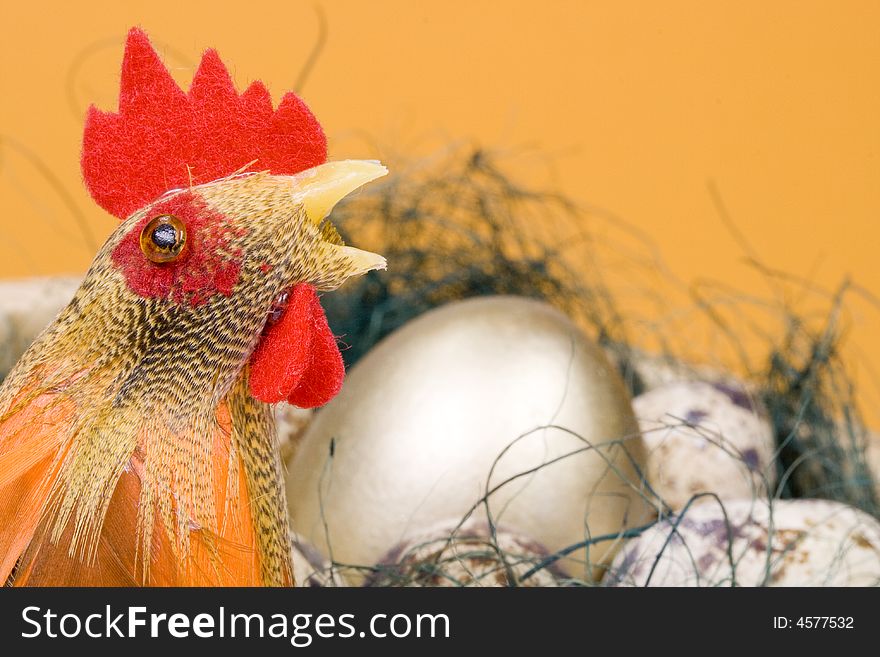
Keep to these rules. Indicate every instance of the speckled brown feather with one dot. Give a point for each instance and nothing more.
(257, 437)
(147, 378)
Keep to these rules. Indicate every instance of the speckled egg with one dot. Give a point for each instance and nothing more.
(455, 554)
(310, 567)
(498, 394)
(787, 543)
(26, 307)
(705, 437)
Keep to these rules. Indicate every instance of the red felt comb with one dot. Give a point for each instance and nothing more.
(162, 138)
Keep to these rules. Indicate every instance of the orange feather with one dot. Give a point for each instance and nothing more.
(30, 460)
(29, 465)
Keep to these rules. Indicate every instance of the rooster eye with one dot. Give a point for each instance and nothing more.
(163, 238)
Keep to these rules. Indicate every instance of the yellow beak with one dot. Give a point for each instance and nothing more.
(320, 188)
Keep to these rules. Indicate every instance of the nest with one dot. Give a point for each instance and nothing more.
(459, 226)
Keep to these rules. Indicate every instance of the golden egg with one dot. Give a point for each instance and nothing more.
(495, 403)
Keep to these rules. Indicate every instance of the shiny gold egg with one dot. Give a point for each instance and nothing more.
(497, 405)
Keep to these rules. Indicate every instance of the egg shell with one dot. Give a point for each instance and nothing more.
(466, 554)
(424, 416)
(291, 423)
(27, 306)
(806, 543)
(705, 437)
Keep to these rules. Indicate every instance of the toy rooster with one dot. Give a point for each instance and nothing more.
(137, 444)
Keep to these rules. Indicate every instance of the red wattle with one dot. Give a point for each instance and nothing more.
(283, 354)
(323, 378)
(297, 358)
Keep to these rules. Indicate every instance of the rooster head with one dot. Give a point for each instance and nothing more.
(224, 239)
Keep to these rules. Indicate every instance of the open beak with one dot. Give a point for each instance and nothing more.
(320, 188)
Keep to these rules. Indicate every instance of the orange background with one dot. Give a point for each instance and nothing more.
(637, 105)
